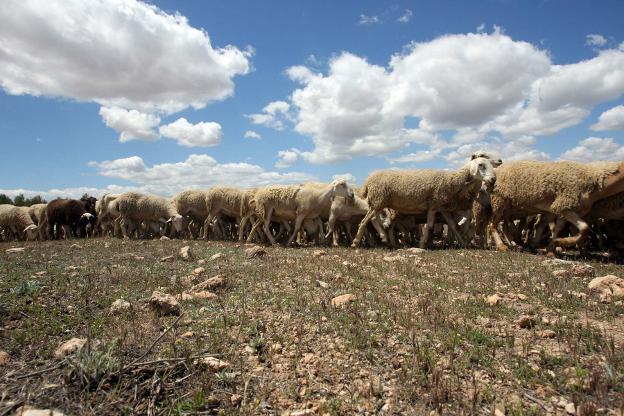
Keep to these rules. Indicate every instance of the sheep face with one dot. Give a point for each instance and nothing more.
(177, 221)
(481, 168)
(496, 162)
(341, 188)
(31, 232)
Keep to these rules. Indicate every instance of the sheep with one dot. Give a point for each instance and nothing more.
(565, 189)
(221, 201)
(70, 214)
(38, 214)
(424, 191)
(295, 202)
(18, 222)
(192, 203)
(136, 208)
(105, 217)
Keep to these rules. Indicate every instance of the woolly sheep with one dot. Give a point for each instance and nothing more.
(221, 201)
(566, 189)
(38, 214)
(134, 207)
(69, 214)
(105, 215)
(18, 221)
(423, 191)
(348, 209)
(192, 203)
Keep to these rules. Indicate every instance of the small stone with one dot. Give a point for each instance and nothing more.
(303, 412)
(555, 262)
(40, 274)
(392, 259)
(167, 258)
(212, 363)
(608, 287)
(547, 333)
(186, 253)
(78, 246)
(164, 238)
(212, 283)
(343, 301)
(498, 412)
(188, 334)
(201, 261)
(31, 411)
(15, 250)
(235, 399)
(522, 296)
(416, 250)
(119, 306)
(322, 284)
(560, 273)
(308, 358)
(493, 300)
(202, 294)
(203, 310)
(276, 348)
(69, 347)
(582, 270)
(526, 321)
(319, 253)
(217, 256)
(255, 251)
(4, 357)
(138, 258)
(570, 408)
(199, 271)
(164, 304)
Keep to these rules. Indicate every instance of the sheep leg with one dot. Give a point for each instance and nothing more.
(362, 228)
(577, 239)
(450, 221)
(298, 223)
(267, 226)
(424, 241)
(330, 226)
(493, 228)
(241, 226)
(254, 227)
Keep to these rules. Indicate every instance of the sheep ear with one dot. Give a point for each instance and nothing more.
(474, 167)
(473, 156)
(168, 221)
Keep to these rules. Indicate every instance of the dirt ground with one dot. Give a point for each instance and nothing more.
(422, 332)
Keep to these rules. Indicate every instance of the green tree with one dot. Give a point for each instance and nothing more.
(37, 199)
(19, 200)
(4, 199)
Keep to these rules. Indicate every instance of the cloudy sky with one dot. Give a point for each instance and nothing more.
(162, 96)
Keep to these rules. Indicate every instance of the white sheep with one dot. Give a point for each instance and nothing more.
(136, 208)
(424, 191)
(221, 201)
(38, 214)
(17, 220)
(565, 189)
(192, 203)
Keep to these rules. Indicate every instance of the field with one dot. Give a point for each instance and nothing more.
(418, 337)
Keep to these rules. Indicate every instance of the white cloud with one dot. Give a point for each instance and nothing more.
(273, 115)
(350, 178)
(367, 20)
(475, 84)
(595, 40)
(203, 134)
(250, 134)
(132, 124)
(75, 192)
(406, 17)
(287, 158)
(481, 28)
(595, 148)
(197, 171)
(518, 149)
(118, 53)
(612, 119)
(416, 157)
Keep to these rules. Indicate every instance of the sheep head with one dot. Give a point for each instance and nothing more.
(496, 162)
(31, 232)
(341, 188)
(177, 221)
(482, 168)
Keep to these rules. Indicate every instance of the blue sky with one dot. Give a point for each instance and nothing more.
(160, 96)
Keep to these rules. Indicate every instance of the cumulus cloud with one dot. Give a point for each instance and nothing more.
(250, 134)
(141, 57)
(595, 40)
(406, 17)
(197, 171)
(416, 157)
(476, 85)
(367, 20)
(481, 28)
(273, 115)
(595, 148)
(350, 178)
(612, 119)
(132, 124)
(287, 158)
(70, 192)
(202, 134)
(521, 148)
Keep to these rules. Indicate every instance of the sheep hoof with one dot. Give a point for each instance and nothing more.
(502, 248)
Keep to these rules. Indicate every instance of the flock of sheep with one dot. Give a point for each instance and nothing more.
(530, 203)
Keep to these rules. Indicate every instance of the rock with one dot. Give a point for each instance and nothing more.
(138, 258)
(31, 411)
(392, 259)
(15, 250)
(164, 304)
(202, 294)
(493, 300)
(186, 253)
(526, 321)
(199, 271)
(41, 274)
(303, 412)
(164, 238)
(212, 283)
(570, 408)
(319, 253)
(498, 412)
(547, 333)
(560, 273)
(217, 256)
(4, 357)
(582, 270)
(212, 363)
(167, 258)
(201, 261)
(522, 296)
(416, 250)
(119, 306)
(76, 246)
(555, 262)
(514, 275)
(343, 301)
(608, 287)
(188, 334)
(70, 347)
(322, 284)
(255, 251)
(235, 399)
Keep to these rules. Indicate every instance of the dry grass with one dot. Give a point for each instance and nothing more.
(418, 338)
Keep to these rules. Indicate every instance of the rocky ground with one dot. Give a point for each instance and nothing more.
(106, 326)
